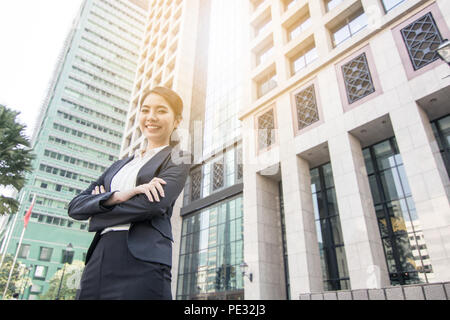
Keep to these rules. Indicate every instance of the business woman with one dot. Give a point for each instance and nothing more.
(130, 206)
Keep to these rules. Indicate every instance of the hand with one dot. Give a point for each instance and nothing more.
(152, 189)
(98, 190)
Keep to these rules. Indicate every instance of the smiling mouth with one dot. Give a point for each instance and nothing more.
(152, 127)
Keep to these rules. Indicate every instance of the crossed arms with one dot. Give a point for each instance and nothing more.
(136, 209)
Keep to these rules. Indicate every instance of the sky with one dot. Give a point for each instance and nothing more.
(32, 34)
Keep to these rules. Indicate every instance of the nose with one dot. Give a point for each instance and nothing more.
(152, 115)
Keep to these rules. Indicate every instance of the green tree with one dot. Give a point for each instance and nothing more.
(15, 157)
(69, 284)
(18, 279)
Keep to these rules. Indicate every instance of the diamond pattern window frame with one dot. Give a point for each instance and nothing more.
(346, 102)
(239, 160)
(306, 105)
(313, 87)
(196, 185)
(444, 30)
(357, 78)
(422, 37)
(218, 175)
(265, 127)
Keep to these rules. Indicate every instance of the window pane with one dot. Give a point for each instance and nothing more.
(402, 228)
(24, 251)
(341, 262)
(358, 23)
(337, 231)
(332, 4)
(332, 202)
(383, 154)
(315, 180)
(404, 180)
(389, 255)
(299, 64)
(45, 254)
(341, 35)
(391, 185)
(368, 161)
(390, 4)
(328, 175)
(210, 248)
(374, 189)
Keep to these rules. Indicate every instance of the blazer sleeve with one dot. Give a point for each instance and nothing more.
(139, 208)
(85, 205)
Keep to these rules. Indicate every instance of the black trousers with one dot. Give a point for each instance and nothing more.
(112, 273)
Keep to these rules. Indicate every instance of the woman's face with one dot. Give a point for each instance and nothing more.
(157, 120)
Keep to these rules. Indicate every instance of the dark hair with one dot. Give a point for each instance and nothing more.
(175, 101)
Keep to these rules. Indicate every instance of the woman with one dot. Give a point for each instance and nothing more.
(129, 207)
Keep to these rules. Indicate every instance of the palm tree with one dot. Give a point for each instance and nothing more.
(15, 157)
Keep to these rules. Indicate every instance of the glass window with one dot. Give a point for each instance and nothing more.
(304, 59)
(331, 4)
(211, 254)
(24, 251)
(349, 28)
(265, 54)
(298, 27)
(45, 254)
(397, 219)
(267, 83)
(328, 227)
(40, 272)
(391, 4)
(441, 130)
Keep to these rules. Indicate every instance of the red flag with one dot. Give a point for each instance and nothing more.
(28, 214)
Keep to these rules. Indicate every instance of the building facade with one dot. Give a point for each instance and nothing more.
(187, 48)
(79, 132)
(346, 146)
(320, 135)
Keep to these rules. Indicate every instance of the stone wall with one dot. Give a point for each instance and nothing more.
(435, 291)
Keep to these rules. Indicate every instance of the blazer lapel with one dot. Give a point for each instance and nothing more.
(148, 170)
(113, 172)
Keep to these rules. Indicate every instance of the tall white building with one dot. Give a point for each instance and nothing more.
(346, 121)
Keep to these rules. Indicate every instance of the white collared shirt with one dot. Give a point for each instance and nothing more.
(125, 179)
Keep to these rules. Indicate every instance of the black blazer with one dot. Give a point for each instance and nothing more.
(150, 235)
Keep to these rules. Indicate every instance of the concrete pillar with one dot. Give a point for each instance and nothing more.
(428, 180)
(305, 272)
(364, 250)
(263, 250)
(176, 222)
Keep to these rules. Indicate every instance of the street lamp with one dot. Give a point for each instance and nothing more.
(444, 51)
(244, 267)
(68, 253)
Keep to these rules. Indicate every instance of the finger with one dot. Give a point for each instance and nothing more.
(102, 189)
(160, 189)
(160, 180)
(154, 193)
(149, 196)
(93, 191)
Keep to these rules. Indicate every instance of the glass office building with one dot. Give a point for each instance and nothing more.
(212, 229)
